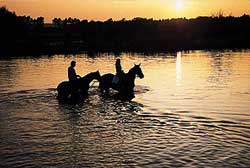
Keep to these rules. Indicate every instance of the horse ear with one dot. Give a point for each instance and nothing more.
(140, 64)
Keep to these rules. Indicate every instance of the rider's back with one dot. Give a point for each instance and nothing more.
(72, 74)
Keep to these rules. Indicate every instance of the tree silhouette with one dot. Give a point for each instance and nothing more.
(23, 34)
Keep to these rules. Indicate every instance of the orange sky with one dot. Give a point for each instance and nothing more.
(118, 9)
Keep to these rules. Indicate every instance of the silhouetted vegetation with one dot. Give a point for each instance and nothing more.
(25, 35)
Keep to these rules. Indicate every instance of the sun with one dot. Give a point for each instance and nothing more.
(178, 4)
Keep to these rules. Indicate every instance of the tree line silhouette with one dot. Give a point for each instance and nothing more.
(25, 35)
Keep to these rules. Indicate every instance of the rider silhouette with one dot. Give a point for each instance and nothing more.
(73, 79)
(119, 77)
(119, 73)
(118, 67)
(72, 73)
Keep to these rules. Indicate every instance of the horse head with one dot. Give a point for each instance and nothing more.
(97, 75)
(138, 71)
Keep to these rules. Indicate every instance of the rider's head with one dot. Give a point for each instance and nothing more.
(118, 61)
(73, 63)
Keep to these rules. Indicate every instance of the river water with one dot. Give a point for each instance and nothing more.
(192, 109)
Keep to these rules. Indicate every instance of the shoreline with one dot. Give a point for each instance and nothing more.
(94, 53)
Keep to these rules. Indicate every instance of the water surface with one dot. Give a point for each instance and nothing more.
(192, 109)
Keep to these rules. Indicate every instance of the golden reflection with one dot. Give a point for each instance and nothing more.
(197, 80)
(178, 69)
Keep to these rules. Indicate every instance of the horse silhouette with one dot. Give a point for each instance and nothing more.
(77, 89)
(126, 85)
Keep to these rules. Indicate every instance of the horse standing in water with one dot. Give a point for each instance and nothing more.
(125, 87)
(68, 91)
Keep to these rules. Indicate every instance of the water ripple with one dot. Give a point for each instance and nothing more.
(201, 121)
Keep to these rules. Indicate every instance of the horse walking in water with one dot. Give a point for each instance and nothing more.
(73, 91)
(126, 85)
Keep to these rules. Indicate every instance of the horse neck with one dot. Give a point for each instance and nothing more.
(89, 77)
(131, 74)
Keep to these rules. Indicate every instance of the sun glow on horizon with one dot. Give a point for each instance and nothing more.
(119, 9)
(179, 5)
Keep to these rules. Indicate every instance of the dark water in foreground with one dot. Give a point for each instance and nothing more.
(191, 110)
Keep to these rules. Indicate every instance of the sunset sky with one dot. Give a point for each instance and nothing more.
(118, 9)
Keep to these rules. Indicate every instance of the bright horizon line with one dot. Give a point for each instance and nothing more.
(127, 19)
(81, 18)
(128, 9)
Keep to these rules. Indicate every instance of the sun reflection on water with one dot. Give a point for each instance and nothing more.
(178, 69)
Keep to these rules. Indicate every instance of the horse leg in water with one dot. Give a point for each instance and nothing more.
(106, 83)
(62, 96)
(107, 91)
(103, 88)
